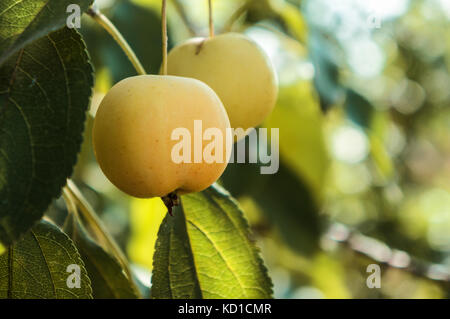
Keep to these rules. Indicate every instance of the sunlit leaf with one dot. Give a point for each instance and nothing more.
(302, 147)
(293, 19)
(37, 267)
(44, 93)
(204, 251)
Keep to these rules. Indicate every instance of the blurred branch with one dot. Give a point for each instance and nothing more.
(382, 254)
(182, 13)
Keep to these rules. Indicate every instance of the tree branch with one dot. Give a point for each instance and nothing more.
(382, 254)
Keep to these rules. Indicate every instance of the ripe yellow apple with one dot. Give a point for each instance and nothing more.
(133, 134)
(236, 68)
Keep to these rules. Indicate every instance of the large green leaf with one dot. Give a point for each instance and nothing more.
(204, 251)
(44, 94)
(107, 276)
(284, 199)
(302, 143)
(24, 21)
(291, 198)
(37, 266)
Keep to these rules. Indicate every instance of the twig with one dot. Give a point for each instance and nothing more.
(211, 19)
(70, 204)
(69, 200)
(91, 217)
(112, 30)
(164, 36)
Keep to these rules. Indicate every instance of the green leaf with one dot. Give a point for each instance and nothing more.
(289, 204)
(284, 199)
(302, 142)
(359, 109)
(291, 198)
(204, 251)
(108, 279)
(323, 56)
(44, 94)
(37, 266)
(2, 249)
(293, 19)
(24, 21)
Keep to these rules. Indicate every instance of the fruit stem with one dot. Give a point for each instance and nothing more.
(101, 19)
(100, 230)
(211, 19)
(170, 201)
(164, 36)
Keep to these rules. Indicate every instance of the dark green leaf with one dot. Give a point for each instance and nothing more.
(204, 251)
(44, 93)
(285, 201)
(292, 197)
(24, 21)
(290, 205)
(359, 109)
(37, 266)
(106, 274)
(326, 80)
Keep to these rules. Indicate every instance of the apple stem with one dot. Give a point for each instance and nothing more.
(101, 19)
(164, 36)
(211, 19)
(170, 201)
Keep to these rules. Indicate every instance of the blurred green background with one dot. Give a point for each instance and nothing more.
(364, 122)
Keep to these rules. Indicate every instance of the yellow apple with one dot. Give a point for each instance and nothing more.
(134, 128)
(236, 68)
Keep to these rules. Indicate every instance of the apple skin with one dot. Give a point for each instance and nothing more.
(132, 134)
(236, 68)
